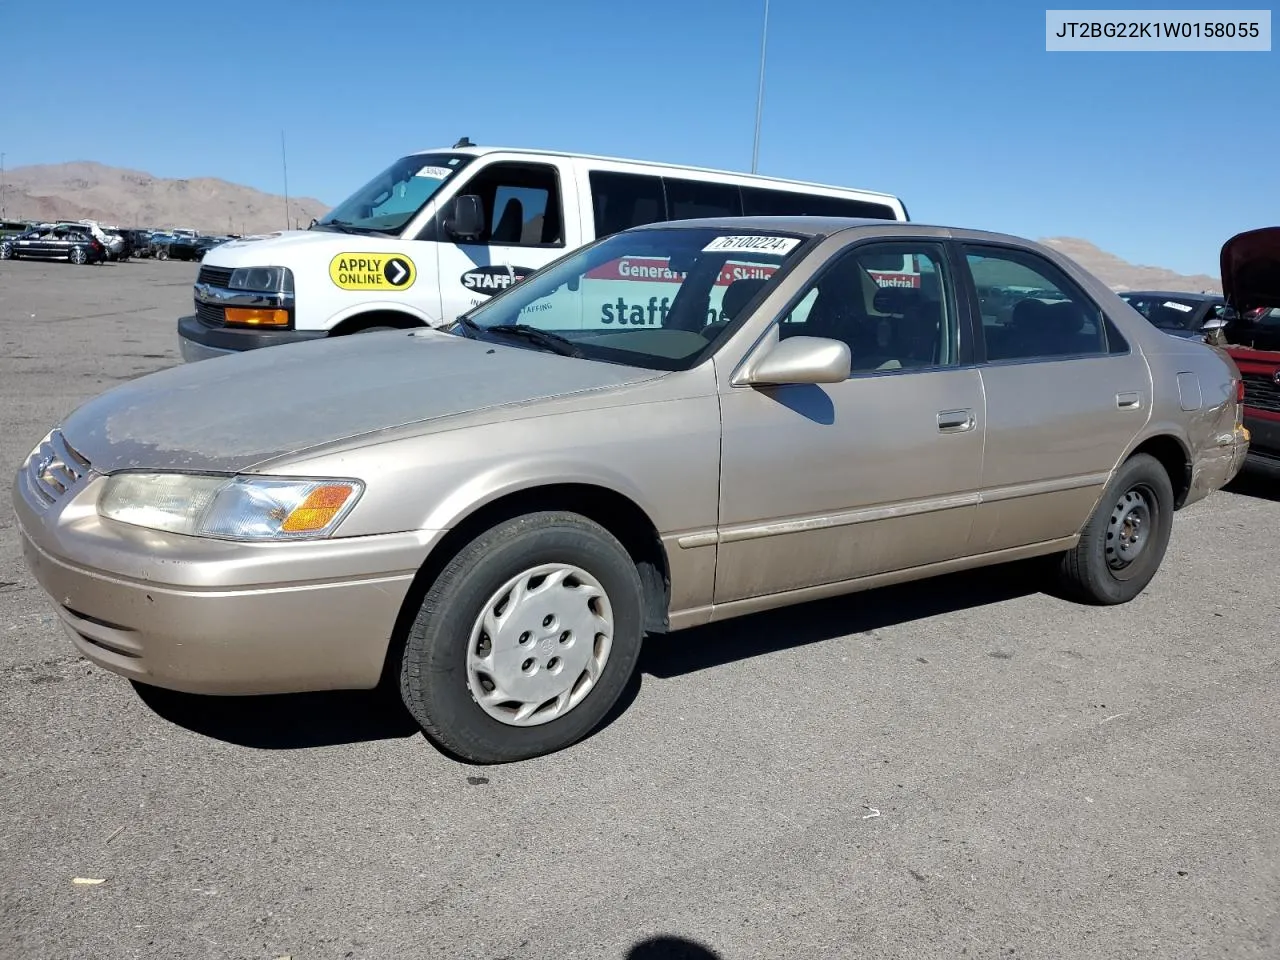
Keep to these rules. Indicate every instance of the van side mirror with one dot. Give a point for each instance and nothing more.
(465, 219)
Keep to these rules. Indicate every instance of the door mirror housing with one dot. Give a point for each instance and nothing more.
(465, 218)
(800, 360)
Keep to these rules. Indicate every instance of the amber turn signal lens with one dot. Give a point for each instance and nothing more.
(249, 317)
(316, 512)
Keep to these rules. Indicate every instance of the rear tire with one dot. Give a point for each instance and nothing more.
(1125, 540)
(526, 639)
(6, 251)
(78, 256)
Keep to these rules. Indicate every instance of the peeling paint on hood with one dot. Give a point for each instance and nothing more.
(230, 413)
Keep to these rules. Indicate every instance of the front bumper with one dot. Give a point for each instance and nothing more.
(209, 616)
(1264, 448)
(199, 341)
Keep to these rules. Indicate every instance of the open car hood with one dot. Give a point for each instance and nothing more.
(1250, 264)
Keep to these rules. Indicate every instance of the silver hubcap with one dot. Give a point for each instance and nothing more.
(1128, 530)
(540, 645)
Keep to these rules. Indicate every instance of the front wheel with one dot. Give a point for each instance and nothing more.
(1125, 540)
(526, 639)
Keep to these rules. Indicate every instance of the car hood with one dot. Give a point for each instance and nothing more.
(292, 247)
(232, 413)
(1250, 264)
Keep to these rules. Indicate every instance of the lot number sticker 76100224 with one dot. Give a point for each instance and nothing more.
(372, 271)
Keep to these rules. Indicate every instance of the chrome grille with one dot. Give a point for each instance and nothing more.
(1261, 392)
(54, 468)
(210, 315)
(214, 276)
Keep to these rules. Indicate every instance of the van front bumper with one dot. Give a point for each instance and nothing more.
(200, 341)
(218, 617)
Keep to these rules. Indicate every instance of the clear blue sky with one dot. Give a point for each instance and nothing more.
(955, 107)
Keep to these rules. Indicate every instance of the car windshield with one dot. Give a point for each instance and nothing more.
(1168, 313)
(657, 297)
(392, 198)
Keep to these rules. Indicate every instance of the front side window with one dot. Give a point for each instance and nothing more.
(888, 323)
(1031, 311)
(660, 298)
(391, 199)
(521, 204)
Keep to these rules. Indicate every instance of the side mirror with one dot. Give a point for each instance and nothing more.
(465, 219)
(801, 360)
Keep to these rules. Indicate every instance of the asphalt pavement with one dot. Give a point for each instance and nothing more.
(960, 768)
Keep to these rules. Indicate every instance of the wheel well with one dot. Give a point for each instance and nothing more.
(613, 511)
(376, 318)
(1173, 457)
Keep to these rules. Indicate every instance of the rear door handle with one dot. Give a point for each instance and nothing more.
(1128, 401)
(956, 421)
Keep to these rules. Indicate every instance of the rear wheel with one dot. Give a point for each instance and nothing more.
(526, 639)
(1123, 544)
(6, 251)
(79, 256)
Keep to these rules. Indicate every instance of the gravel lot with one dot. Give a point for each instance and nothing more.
(959, 768)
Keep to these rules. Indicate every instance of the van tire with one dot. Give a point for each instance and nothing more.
(1124, 542)
(438, 683)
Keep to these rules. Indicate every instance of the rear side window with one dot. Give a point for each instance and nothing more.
(1031, 310)
(758, 202)
(691, 199)
(623, 200)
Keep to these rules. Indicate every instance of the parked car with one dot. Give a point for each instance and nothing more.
(673, 425)
(181, 246)
(11, 228)
(139, 242)
(205, 244)
(1250, 264)
(1178, 313)
(70, 242)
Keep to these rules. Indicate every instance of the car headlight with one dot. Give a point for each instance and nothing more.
(262, 279)
(230, 508)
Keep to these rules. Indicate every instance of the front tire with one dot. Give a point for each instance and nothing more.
(1125, 540)
(525, 640)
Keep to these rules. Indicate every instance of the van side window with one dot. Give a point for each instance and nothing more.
(521, 203)
(1031, 310)
(623, 200)
(690, 199)
(760, 202)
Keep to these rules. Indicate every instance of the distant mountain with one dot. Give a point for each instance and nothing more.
(85, 190)
(127, 198)
(1122, 275)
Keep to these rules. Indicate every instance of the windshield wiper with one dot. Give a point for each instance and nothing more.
(467, 324)
(346, 226)
(552, 341)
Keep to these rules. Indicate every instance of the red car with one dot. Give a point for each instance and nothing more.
(1251, 334)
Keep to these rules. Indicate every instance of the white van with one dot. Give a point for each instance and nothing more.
(440, 231)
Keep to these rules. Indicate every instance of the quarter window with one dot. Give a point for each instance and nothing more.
(521, 202)
(890, 302)
(1030, 310)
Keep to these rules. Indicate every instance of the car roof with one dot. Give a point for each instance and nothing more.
(824, 226)
(1171, 294)
(480, 151)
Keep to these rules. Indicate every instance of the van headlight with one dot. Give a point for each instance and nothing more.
(262, 279)
(230, 508)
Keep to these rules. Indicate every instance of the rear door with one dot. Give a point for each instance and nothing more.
(1065, 396)
(531, 217)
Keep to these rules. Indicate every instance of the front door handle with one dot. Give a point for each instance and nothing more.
(956, 421)
(1128, 401)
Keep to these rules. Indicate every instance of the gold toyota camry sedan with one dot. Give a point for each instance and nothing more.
(674, 425)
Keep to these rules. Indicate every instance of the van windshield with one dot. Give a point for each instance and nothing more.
(392, 198)
(659, 297)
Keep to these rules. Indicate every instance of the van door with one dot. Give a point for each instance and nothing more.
(531, 218)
